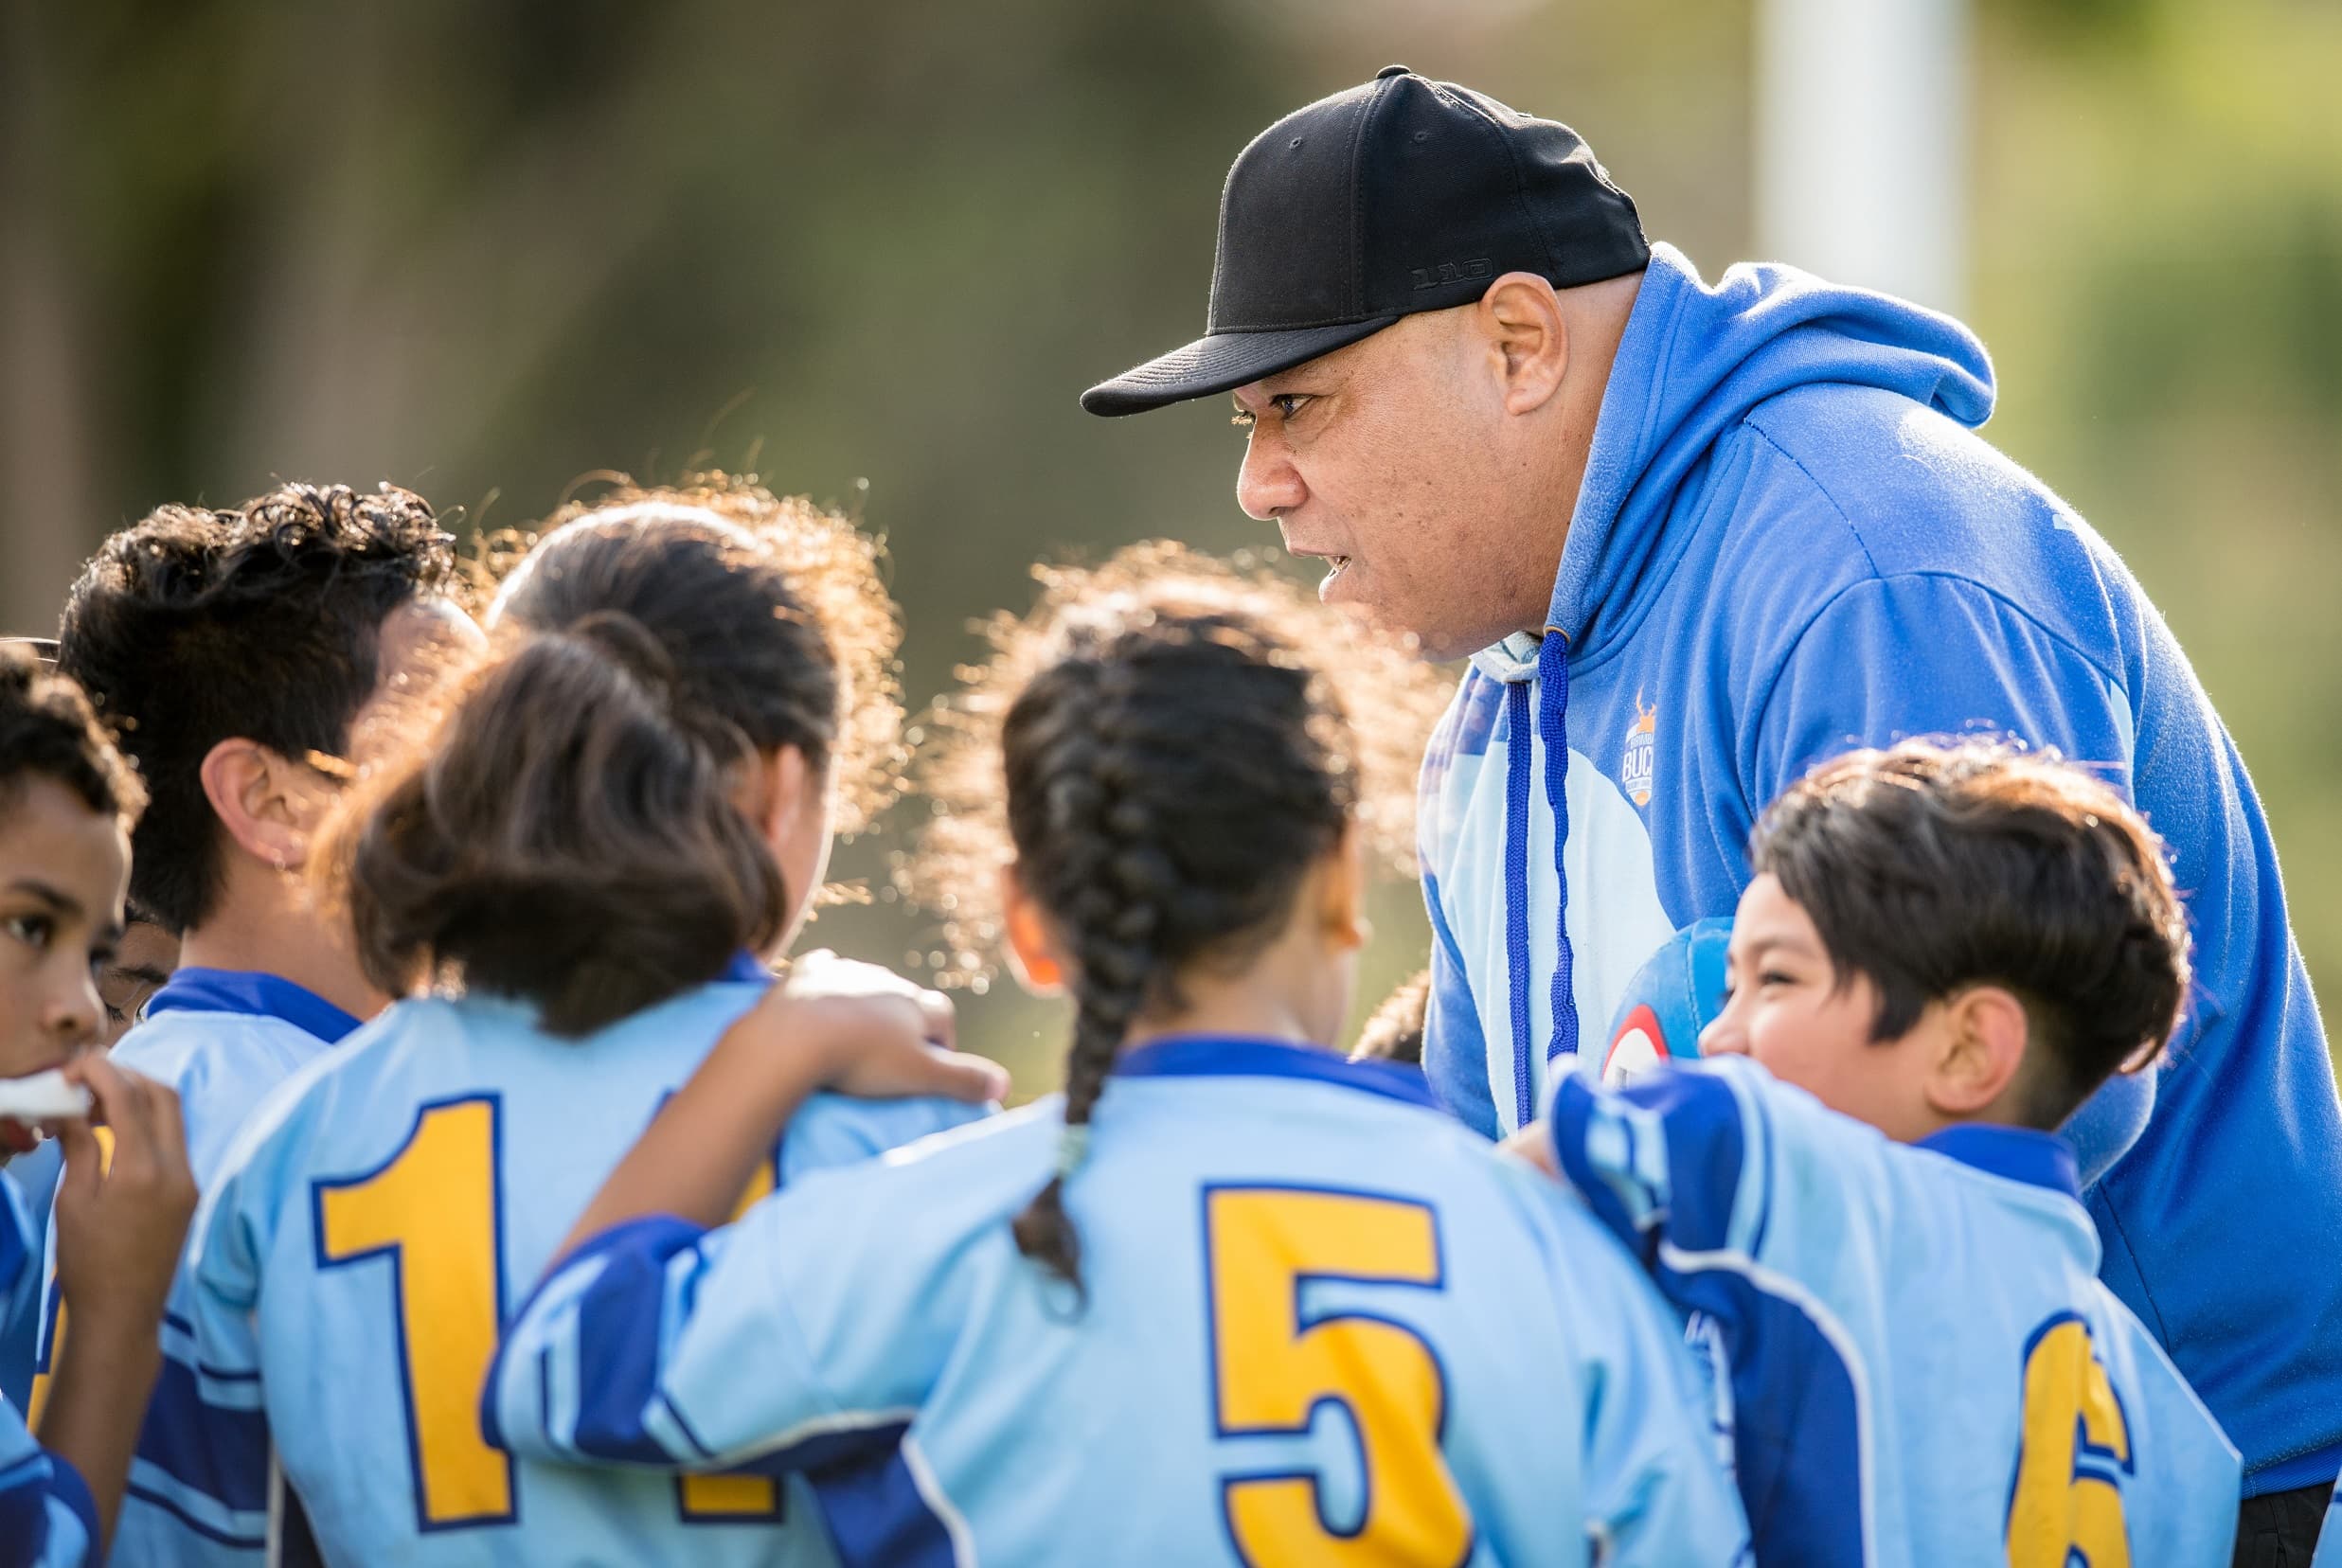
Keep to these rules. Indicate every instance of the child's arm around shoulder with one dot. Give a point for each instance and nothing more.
(1702, 1158)
(801, 1333)
(645, 1304)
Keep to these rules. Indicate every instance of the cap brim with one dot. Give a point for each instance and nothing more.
(1221, 362)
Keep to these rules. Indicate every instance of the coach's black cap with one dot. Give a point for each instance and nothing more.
(1402, 195)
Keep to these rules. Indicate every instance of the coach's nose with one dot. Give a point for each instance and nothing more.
(1268, 486)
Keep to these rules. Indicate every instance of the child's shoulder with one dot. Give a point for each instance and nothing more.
(834, 1130)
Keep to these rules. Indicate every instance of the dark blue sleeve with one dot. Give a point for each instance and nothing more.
(600, 1312)
(48, 1517)
(1662, 1161)
(1686, 1165)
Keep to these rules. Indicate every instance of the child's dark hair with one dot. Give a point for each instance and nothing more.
(48, 731)
(1931, 868)
(565, 832)
(1176, 757)
(835, 573)
(193, 626)
(1394, 1031)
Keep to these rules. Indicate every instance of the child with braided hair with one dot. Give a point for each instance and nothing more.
(1231, 1298)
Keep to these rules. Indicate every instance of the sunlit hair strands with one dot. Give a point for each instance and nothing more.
(1388, 702)
(193, 626)
(834, 569)
(563, 825)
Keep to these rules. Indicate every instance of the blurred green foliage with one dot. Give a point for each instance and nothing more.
(486, 248)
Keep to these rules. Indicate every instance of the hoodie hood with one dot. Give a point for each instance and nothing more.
(1693, 361)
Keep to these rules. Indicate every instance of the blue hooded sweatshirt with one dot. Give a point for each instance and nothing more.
(1787, 543)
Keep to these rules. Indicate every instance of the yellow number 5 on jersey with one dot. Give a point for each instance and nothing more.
(1272, 1367)
(2066, 1506)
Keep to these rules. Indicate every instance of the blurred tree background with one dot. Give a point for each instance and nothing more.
(485, 247)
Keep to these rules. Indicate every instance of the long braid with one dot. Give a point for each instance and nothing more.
(1094, 811)
(1169, 782)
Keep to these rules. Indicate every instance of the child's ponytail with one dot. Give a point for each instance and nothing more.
(561, 838)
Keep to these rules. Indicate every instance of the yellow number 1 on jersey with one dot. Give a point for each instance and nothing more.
(1272, 1367)
(433, 1209)
(2066, 1506)
(449, 1290)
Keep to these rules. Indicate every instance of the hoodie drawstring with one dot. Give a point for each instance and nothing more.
(1517, 749)
(1552, 729)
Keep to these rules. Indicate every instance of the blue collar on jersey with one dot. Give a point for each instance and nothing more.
(745, 968)
(254, 993)
(2020, 1153)
(1233, 1056)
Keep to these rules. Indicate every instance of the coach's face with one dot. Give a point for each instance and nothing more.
(1433, 465)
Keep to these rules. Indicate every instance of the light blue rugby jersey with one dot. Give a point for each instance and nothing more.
(223, 1039)
(1325, 1324)
(1924, 1367)
(48, 1517)
(380, 1216)
(35, 1175)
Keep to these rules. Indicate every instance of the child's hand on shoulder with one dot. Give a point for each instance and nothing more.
(1533, 1145)
(875, 1034)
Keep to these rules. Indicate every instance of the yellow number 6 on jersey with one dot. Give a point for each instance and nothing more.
(1271, 1369)
(2066, 1507)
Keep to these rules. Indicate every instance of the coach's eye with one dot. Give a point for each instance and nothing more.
(1289, 404)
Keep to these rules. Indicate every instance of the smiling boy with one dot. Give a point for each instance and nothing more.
(1944, 952)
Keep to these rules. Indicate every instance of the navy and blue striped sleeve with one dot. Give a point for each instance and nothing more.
(48, 1517)
(1673, 1160)
(642, 1350)
(1742, 1197)
(199, 1485)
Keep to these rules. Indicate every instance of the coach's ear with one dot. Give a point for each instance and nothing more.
(266, 803)
(1033, 951)
(1527, 336)
(1982, 1051)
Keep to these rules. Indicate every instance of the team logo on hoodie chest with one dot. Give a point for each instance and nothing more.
(1634, 768)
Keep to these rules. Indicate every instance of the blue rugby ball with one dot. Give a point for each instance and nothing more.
(1672, 997)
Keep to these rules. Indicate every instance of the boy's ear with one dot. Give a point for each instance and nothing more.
(1034, 952)
(1342, 894)
(267, 805)
(1982, 1052)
